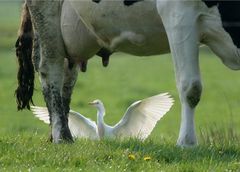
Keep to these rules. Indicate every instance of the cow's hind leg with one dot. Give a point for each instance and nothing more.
(183, 38)
(51, 75)
(46, 20)
(70, 77)
(219, 41)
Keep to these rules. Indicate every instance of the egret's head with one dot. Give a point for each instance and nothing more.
(96, 103)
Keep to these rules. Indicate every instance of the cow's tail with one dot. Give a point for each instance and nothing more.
(25, 76)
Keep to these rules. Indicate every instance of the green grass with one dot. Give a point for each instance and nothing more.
(23, 139)
(32, 152)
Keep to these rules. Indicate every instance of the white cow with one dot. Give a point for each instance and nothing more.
(78, 29)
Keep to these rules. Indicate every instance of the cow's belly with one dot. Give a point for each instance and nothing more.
(80, 43)
(135, 29)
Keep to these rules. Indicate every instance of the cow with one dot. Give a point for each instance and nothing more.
(66, 33)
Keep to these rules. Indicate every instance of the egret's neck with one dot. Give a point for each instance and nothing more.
(100, 114)
(100, 121)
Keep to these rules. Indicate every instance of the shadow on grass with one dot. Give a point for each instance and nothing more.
(217, 143)
(169, 153)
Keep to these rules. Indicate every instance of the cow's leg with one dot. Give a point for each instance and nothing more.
(51, 76)
(219, 41)
(46, 20)
(182, 33)
(36, 52)
(70, 77)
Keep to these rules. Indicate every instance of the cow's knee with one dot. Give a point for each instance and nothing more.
(192, 92)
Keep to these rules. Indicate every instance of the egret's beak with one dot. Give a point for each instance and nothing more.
(91, 103)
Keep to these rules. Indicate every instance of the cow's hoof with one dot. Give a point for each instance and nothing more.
(50, 137)
(67, 137)
(62, 140)
(187, 142)
(63, 137)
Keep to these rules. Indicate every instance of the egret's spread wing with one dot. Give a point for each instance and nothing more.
(80, 126)
(41, 113)
(142, 116)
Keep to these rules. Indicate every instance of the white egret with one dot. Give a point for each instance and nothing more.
(138, 121)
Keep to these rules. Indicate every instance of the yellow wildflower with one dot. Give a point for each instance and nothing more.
(147, 158)
(131, 157)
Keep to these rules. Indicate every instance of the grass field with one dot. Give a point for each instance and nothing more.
(23, 139)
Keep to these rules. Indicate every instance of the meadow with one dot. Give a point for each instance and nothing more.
(23, 139)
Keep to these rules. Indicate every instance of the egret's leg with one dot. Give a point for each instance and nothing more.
(183, 38)
(46, 20)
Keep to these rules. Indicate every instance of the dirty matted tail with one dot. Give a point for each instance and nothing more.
(25, 76)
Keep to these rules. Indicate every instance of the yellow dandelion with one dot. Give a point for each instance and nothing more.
(147, 158)
(131, 157)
